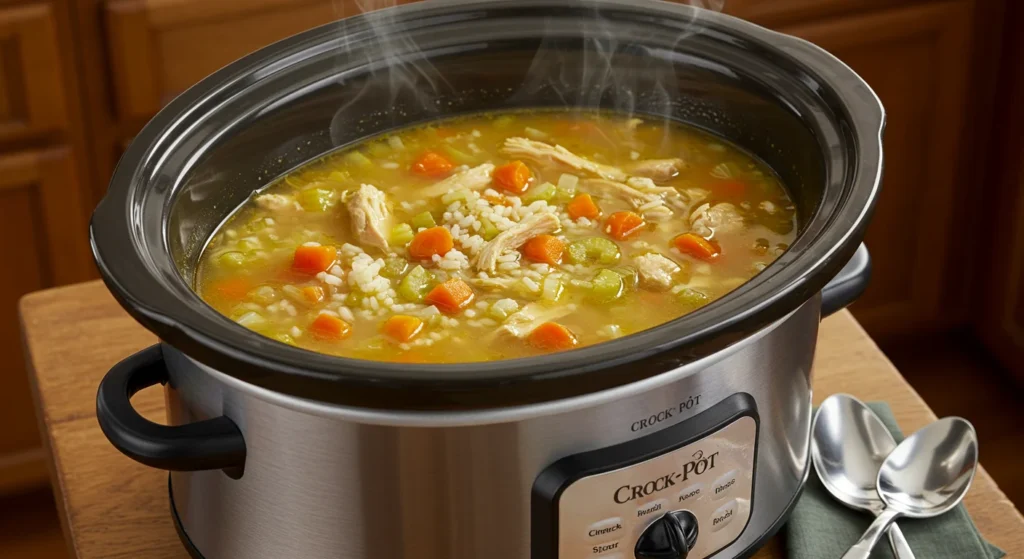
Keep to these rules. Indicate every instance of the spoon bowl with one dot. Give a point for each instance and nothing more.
(849, 443)
(927, 475)
(930, 472)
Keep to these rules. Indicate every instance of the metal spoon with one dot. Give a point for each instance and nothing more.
(927, 475)
(848, 445)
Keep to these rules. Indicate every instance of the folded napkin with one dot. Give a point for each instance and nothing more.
(823, 528)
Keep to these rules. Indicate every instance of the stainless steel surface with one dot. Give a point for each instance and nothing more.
(333, 482)
(849, 443)
(717, 493)
(927, 475)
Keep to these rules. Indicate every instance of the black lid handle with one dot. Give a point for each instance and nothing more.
(206, 445)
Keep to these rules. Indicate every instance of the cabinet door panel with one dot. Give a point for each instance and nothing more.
(43, 240)
(916, 61)
(31, 91)
(159, 48)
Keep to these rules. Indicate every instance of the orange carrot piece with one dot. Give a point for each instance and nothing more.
(314, 259)
(432, 164)
(329, 327)
(547, 249)
(552, 336)
(233, 289)
(427, 243)
(402, 327)
(451, 296)
(696, 246)
(623, 225)
(513, 177)
(583, 206)
(313, 294)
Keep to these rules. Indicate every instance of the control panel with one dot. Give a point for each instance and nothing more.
(683, 492)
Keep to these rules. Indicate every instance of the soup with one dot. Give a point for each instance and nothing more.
(497, 236)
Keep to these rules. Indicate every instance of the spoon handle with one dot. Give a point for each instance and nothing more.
(862, 549)
(900, 547)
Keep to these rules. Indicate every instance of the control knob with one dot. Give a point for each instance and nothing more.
(670, 537)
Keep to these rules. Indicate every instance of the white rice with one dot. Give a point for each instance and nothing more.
(346, 314)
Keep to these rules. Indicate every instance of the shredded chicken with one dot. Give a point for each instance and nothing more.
(723, 217)
(655, 271)
(659, 170)
(476, 178)
(514, 237)
(370, 216)
(527, 319)
(547, 154)
(620, 190)
(276, 202)
(493, 283)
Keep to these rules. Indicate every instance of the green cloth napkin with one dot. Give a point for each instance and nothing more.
(823, 528)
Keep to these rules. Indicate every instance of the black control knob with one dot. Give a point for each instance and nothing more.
(670, 537)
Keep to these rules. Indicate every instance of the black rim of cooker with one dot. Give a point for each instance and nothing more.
(139, 270)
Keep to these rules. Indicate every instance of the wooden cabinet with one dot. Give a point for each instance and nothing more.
(158, 49)
(916, 60)
(31, 93)
(43, 243)
(1000, 289)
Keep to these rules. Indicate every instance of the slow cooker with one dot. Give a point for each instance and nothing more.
(690, 439)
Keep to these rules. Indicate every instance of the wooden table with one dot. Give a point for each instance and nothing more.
(112, 507)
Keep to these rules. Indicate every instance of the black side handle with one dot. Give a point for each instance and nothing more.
(848, 284)
(206, 445)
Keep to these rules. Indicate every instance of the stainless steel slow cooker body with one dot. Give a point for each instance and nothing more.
(280, 452)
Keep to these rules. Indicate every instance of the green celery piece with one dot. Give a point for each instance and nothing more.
(415, 285)
(608, 286)
(424, 220)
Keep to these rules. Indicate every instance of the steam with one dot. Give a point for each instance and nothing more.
(580, 78)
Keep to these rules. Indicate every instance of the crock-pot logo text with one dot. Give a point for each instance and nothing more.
(667, 413)
(695, 467)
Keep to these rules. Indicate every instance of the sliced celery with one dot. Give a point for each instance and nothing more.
(630, 277)
(394, 267)
(357, 159)
(315, 199)
(231, 259)
(455, 196)
(545, 191)
(594, 249)
(502, 309)
(424, 220)
(460, 157)
(415, 284)
(504, 121)
(552, 289)
(487, 229)
(692, 299)
(401, 235)
(607, 286)
(379, 149)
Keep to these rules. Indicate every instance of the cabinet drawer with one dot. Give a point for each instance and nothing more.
(158, 48)
(31, 89)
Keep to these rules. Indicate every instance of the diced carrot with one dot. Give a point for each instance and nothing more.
(427, 243)
(552, 336)
(513, 177)
(451, 296)
(728, 189)
(547, 249)
(330, 327)
(432, 164)
(314, 259)
(402, 327)
(623, 225)
(696, 246)
(583, 206)
(313, 294)
(234, 289)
